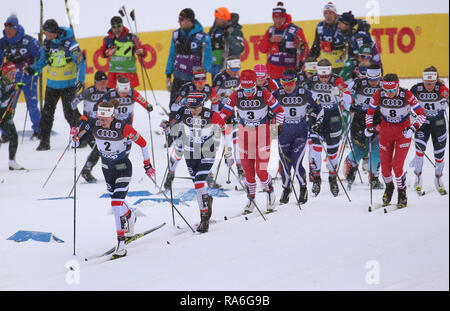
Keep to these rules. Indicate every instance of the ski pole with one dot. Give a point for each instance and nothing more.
(370, 169)
(74, 199)
(168, 168)
(337, 175)
(423, 151)
(354, 159)
(65, 150)
(341, 152)
(248, 194)
(291, 176)
(173, 206)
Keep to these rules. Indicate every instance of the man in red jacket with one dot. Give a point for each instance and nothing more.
(120, 47)
(395, 104)
(284, 43)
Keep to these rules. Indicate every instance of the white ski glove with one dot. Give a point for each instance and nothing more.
(335, 91)
(409, 132)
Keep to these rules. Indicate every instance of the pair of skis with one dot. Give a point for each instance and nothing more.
(127, 241)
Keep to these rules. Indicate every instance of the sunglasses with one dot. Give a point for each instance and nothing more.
(250, 90)
(116, 25)
(181, 18)
(9, 25)
(290, 81)
(363, 56)
(324, 76)
(390, 91)
(235, 69)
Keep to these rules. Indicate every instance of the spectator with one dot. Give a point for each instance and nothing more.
(227, 38)
(23, 50)
(65, 76)
(190, 47)
(120, 47)
(284, 43)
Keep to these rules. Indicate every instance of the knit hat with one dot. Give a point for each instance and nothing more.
(347, 18)
(13, 22)
(99, 76)
(8, 67)
(248, 79)
(188, 13)
(330, 6)
(222, 13)
(260, 70)
(51, 26)
(116, 20)
(279, 11)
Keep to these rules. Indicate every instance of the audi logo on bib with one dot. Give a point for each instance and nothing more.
(231, 83)
(322, 87)
(124, 100)
(428, 96)
(291, 100)
(392, 102)
(196, 121)
(107, 133)
(369, 90)
(250, 103)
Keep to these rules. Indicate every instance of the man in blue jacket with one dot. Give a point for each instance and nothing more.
(23, 50)
(190, 47)
(65, 76)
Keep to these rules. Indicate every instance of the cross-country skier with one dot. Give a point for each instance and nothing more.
(432, 95)
(333, 95)
(252, 105)
(297, 103)
(127, 96)
(198, 84)
(196, 125)
(8, 92)
(90, 97)
(362, 90)
(112, 135)
(395, 132)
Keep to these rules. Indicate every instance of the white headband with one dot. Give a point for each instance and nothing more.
(430, 76)
(373, 73)
(311, 66)
(234, 63)
(105, 111)
(323, 70)
(123, 87)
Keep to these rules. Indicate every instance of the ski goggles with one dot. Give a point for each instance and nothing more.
(288, 81)
(248, 90)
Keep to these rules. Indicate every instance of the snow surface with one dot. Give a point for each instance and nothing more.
(324, 246)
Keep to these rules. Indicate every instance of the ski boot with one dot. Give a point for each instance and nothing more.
(86, 173)
(121, 248)
(43, 145)
(334, 188)
(316, 185)
(365, 165)
(402, 201)
(418, 183)
(388, 192)
(270, 203)
(440, 185)
(169, 179)
(211, 182)
(131, 222)
(4, 139)
(311, 175)
(240, 172)
(285, 195)
(375, 182)
(303, 194)
(350, 172)
(35, 136)
(250, 206)
(14, 166)
(205, 215)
